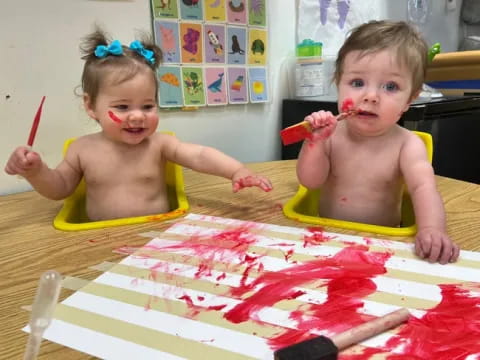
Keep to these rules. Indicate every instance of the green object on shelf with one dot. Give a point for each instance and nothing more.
(434, 50)
(308, 47)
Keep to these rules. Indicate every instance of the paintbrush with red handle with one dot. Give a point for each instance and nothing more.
(303, 130)
(323, 348)
(36, 121)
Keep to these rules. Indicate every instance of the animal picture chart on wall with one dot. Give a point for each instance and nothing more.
(215, 52)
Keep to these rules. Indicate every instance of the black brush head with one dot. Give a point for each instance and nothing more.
(319, 348)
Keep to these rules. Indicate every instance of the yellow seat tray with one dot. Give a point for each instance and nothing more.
(73, 216)
(303, 207)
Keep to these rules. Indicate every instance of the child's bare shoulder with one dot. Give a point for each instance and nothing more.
(411, 141)
(84, 143)
(164, 141)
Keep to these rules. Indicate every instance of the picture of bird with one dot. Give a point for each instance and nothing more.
(237, 84)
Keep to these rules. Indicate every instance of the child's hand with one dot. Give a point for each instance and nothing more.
(435, 245)
(323, 124)
(246, 178)
(24, 162)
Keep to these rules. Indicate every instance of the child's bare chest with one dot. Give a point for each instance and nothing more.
(112, 169)
(363, 164)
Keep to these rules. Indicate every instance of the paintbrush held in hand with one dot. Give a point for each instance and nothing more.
(303, 130)
(36, 121)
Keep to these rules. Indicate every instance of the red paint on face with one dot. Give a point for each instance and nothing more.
(347, 105)
(114, 117)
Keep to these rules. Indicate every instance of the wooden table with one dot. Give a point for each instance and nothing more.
(29, 245)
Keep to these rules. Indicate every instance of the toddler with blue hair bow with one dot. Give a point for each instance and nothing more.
(124, 163)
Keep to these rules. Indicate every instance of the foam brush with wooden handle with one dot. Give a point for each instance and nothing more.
(303, 130)
(323, 348)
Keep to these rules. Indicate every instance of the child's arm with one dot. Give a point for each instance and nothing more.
(54, 184)
(431, 241)
(208, 160)
(313, 163)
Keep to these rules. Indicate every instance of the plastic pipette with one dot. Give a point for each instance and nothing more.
(42, 310)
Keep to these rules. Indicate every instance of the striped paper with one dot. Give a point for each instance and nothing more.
(175, 297)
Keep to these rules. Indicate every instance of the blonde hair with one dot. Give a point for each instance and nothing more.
(123, 67)
(374, 36)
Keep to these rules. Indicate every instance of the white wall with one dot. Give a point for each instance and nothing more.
(39, 56)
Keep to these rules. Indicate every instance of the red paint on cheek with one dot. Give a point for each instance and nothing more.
(114, 117)
(347, 105)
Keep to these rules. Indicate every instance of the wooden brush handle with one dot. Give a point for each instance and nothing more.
(369, 329)
(307, 125)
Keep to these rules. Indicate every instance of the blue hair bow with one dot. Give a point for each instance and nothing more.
(149, 55)
(115, 48)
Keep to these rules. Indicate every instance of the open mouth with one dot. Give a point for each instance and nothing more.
(134, 130)
(366, 113)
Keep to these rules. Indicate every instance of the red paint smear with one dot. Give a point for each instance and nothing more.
(317, 237)
(195, 309)
(283, 244)
(347, 105)
(450, 330)
(226, 246)
(221, 277)
(187, 299)
(346, 276)
(114, 117)
(288, 254)
(250, 181)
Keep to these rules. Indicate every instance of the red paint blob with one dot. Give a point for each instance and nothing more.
(346, 276)
(347, 105)
(295, 133)
(114, 117)
(317, 237)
